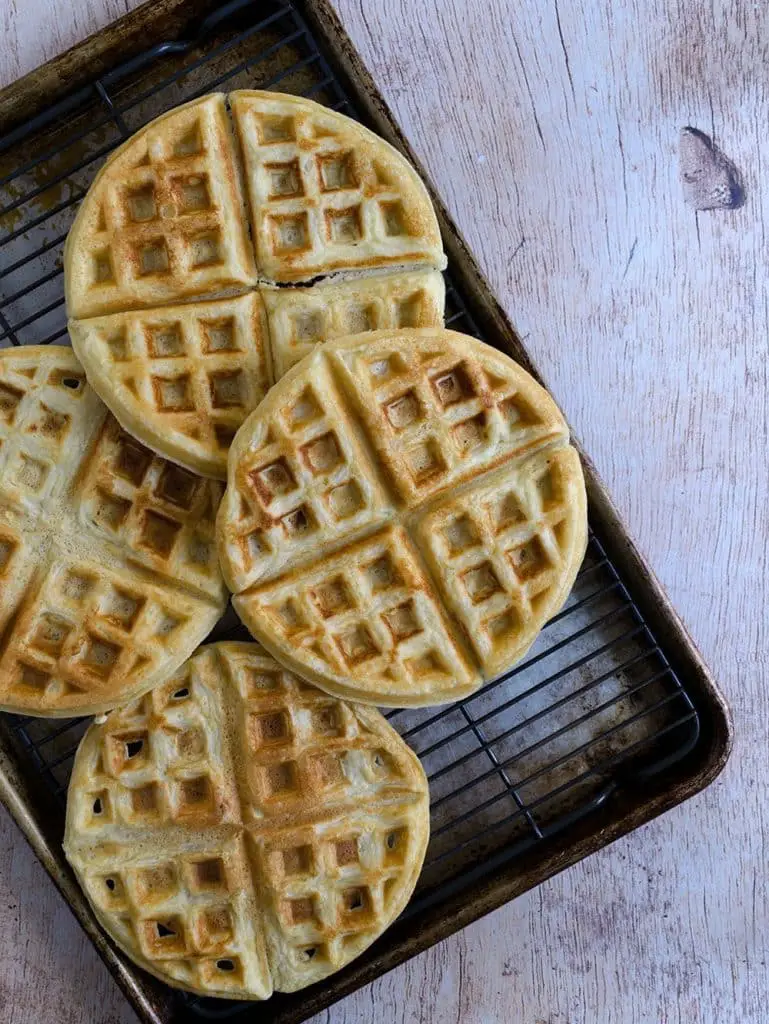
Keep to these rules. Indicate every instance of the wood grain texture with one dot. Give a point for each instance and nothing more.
(551, 129)
(33, 33)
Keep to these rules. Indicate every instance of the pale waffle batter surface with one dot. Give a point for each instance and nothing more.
(403, 514)
(108, 571)
(172, 262)
(238, 831)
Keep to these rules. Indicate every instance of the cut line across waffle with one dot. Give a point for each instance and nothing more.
(108, 570)
(236, 830)
(403, 514)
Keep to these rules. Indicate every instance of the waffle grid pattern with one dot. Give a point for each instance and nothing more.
(182, 913)
(501, 549)
(300, 319)
(434, 415)
(409, 397)
(368, 614)
(309, 481)
(184, 378)
(164, 221)
(191, 372)
(82, 507)
(325, 194)
(235, 778)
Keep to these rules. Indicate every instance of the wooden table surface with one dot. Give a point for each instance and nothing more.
(551, 129)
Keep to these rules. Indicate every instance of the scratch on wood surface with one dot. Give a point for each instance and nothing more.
(622, 157)
(461, 970)
(630, 257)
(527, 83)
(510, 270)
(563, 48)
(712, 116)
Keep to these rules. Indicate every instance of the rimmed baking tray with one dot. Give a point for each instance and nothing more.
(611, 719)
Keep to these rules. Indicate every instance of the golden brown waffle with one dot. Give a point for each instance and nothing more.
(237, 831)
(403, 514)
(301, 318)
(108, 570)
(164, 218)
(183, 378)
(326, 194)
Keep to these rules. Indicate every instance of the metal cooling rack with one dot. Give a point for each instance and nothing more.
(593, 706)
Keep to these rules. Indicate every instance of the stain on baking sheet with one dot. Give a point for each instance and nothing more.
(710, 179)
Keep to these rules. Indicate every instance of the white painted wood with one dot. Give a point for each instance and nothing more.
(34, 31)
(551, 128)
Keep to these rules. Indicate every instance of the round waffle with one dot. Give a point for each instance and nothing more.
(108, 570)
(403, 514)
(237, 831)
(174, 312)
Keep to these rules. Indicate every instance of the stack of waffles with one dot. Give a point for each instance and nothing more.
(229, 203)
(255, 297)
